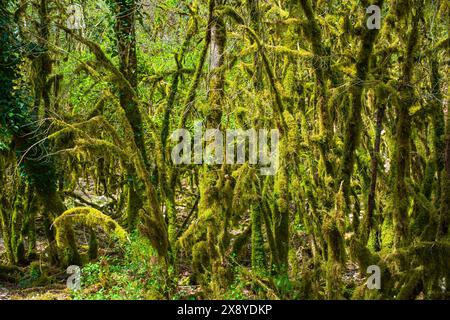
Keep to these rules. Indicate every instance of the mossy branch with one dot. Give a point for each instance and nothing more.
(89, 217)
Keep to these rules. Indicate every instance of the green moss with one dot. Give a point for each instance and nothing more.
(387, 235)
(258, 257)
(89, 217)
(281, 218)
(200, 261)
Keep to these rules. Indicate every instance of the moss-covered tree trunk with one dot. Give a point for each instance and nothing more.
(259, 263)
(403, 133)
(125, 31)
(211, 209)
(441, 147)
(321, 69)
(354, 123)
(444, 213)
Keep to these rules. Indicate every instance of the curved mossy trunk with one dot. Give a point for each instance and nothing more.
(54, 207)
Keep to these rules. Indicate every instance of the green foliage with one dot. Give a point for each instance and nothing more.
(135, 275)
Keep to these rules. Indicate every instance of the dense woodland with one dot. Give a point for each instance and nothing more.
(87, 109)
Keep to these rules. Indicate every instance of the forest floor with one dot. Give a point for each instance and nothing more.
(49, 292)
(132, 277)
(22, 291)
